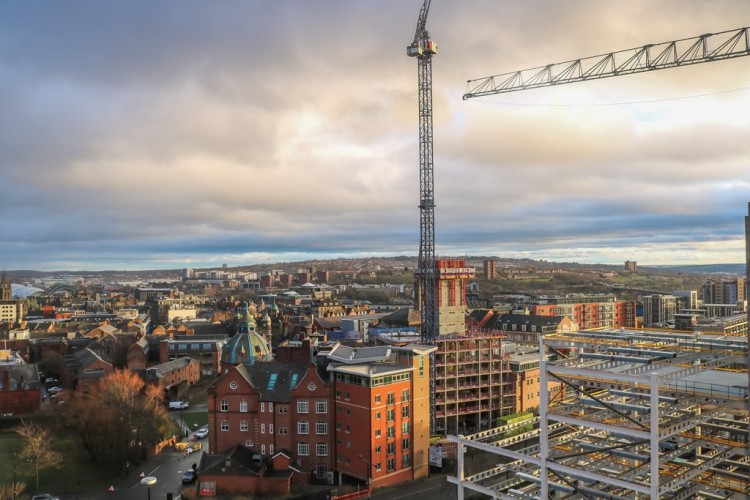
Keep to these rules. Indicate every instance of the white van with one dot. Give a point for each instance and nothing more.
(178, 405)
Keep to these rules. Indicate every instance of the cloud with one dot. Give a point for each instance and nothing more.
(165, 134)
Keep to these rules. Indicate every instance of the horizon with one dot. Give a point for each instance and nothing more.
(303, 261)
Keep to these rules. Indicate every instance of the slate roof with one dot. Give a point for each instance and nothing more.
(239, 459)
(22, 376)
(278, 388)
(403, 317)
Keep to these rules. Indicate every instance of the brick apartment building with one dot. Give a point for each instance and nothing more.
(363, 413)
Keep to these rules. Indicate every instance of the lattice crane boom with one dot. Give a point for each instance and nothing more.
(686, 51)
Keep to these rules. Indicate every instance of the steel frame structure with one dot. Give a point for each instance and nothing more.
(627, 417)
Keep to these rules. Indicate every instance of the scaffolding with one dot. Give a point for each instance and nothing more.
(643, 414)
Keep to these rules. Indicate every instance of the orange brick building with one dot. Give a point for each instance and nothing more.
(382, 412)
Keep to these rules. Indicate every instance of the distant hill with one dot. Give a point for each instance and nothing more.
(738, 269)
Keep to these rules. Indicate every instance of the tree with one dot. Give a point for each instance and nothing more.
(12, 491)
(124, 417)
(37, 448)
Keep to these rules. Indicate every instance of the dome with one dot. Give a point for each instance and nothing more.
(246, 346)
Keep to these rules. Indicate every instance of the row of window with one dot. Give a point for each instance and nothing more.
(302, 406)
(391, 462)
(321, 449)
(321, 428)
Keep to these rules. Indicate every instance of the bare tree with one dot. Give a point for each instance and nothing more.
(37, 448)
(11, 491)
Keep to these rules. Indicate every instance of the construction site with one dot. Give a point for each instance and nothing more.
(643, 414)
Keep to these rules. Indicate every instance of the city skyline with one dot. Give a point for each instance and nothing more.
(144, 136)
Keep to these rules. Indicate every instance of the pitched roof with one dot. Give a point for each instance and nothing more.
(274, 381)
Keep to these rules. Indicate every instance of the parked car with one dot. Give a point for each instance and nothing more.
(178, 405)
(54, 390)
(189, 476)
(201, 433)
(44, 496)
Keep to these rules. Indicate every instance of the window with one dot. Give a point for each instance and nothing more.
(321, 427)
(405, 395)
(391, 431)
(346, 395)
(303, 449)
(348, 444)
(391, 464)
(303, 407)
(378, 467)
(270, 410)
(283, 431)
(405, 444)
(283, 409)
(338, 426)
(391, 399)
(321, 407)
(224, 405)
(404, 412)
(262, 406)
(404, 427)
(348, 428)
(303, 428)
(377, 433)
(377, 398)
(270, 428)
(262, 428)
(348, 411)
(377, 415)
(224, 425)
(390, 415)
(391, 448)
(321, 449)
(243, 426)
(270, 449)
(338, 394)
(377, 449)
(262, 449)
(405, 460)
(243, 406)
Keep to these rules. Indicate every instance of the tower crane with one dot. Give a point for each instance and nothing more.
(687, 51)
(423, 48)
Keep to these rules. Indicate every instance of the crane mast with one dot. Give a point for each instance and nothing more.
(423, 48)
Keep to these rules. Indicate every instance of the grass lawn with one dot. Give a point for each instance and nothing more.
(195, 419)
(73, 475)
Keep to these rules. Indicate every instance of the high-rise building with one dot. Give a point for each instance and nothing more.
(631, 265)
(489, 269)
(659, 309)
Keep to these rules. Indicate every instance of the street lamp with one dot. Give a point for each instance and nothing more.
(369, 476)
(149, 481)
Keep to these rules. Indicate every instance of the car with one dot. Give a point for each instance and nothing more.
(178, 405)
(201, 433)
(50, 380)
(189, 476)
(54, 390)
(44, 496)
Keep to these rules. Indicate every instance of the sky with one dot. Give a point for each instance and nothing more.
(152, 135)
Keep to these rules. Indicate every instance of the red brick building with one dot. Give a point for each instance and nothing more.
(20, 392)
(273, 406)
